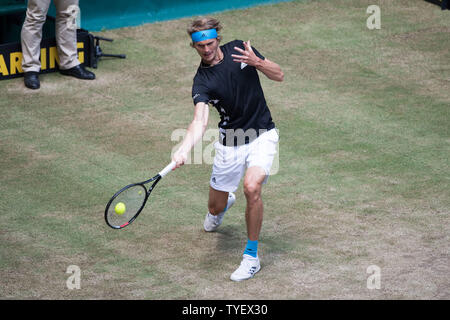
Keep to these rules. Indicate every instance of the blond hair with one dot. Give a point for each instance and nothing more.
(204, 23)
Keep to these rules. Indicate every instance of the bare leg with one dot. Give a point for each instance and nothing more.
(217, 201)
(253, 180)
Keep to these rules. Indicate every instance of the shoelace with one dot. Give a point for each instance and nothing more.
(247, 266)
(215, 219)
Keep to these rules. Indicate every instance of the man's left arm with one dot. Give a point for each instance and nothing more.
(248, 56)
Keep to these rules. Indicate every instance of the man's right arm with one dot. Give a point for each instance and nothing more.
(194, 133)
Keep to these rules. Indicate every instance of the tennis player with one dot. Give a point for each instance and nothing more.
(227, 78)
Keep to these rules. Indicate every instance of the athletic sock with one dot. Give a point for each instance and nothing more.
(226, 207)
(252, 248)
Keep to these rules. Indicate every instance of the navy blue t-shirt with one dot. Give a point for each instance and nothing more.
(235, 91)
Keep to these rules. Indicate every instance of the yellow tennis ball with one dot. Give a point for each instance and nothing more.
(120, 208)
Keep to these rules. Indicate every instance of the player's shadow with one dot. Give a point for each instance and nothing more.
(230, 242)
(229, 238)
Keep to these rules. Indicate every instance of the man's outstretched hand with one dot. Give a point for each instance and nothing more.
(247, 56)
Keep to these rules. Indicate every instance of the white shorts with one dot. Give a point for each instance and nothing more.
(231, 162)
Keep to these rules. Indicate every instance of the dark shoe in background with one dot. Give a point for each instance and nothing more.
(79, 72)
(31, 80)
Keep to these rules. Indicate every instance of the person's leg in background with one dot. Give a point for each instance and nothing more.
(66, 40)
(31, 37)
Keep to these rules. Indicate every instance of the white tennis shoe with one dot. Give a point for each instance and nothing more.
(249, 266)
(213, 222)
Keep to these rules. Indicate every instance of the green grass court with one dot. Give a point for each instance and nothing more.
(363, 173)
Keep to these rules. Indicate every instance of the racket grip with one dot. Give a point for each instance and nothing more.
(167, 169)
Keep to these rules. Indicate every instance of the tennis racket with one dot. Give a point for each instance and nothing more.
(127, 203)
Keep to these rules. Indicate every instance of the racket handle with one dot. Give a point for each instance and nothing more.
(167, 169)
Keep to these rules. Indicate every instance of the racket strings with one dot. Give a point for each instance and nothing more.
(126, 205)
